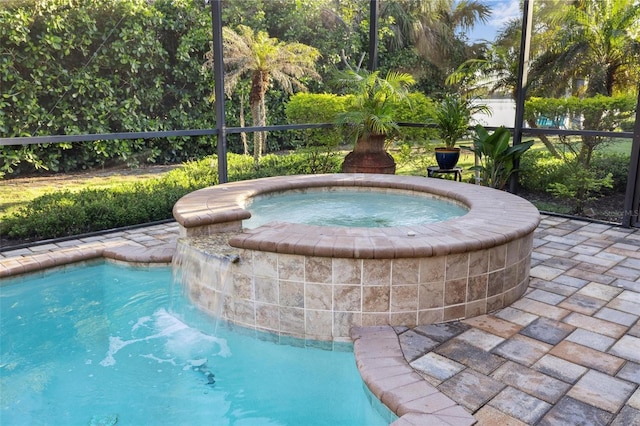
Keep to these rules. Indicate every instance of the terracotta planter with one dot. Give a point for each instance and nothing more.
(369, 156)
(447, 158)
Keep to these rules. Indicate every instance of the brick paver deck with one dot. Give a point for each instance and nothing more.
(567, 353)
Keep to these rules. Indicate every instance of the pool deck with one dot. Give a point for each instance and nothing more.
(567, 353)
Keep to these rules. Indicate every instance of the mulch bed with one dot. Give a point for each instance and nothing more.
(609, 208)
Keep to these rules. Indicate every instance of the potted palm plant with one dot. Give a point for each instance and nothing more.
(370, 118)
(452, 118)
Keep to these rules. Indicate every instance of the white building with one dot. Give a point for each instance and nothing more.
(503, 113)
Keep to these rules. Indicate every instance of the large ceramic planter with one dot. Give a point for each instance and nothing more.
(369, 156)
(447, 158)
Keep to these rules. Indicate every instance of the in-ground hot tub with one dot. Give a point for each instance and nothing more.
(316, 282)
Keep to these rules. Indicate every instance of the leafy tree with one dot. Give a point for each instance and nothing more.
(87, 67)
(327, 25)
(437, 27)
(265, 60)
(598, 42)
(584, 182)
(595, 42)
(434, 32)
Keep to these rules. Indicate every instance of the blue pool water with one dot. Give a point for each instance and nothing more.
(350, 208)
(103, 344)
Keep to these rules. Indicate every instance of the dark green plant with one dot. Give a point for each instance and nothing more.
(615, 164)
(580, 186)
(563, 177)
(497, 160)
(453, 115)
(374, 101)
(539, 169)
(89, 67)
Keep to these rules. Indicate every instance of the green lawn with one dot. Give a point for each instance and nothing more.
(617, 146)
(19, 191)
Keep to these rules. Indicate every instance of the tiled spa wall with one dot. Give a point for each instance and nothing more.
(321, 298)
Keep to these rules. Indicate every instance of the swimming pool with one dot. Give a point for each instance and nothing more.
(105, 344)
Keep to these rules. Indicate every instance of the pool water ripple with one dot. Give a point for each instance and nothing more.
(350, 208)
(98, 345)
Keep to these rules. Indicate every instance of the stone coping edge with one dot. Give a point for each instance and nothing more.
(391, 379)
(126, 252)
(495, 217)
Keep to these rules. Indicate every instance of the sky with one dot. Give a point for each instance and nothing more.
(501, 12)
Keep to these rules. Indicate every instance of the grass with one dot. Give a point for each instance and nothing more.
(15, 193)
(616, 146)
(425, 157)
(619, 146)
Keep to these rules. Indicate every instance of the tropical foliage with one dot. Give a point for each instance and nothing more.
(371, 111)
(427, 38)
(453, 116)
(497, 160)
(103, 67)
(87, 67)
(596, 42)
(264, 60)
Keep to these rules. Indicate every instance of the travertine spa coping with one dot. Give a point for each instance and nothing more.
(316, 282)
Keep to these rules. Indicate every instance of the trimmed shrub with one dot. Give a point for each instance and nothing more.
(539, 169)
(615, 164)
(66, 213)
(419, 109)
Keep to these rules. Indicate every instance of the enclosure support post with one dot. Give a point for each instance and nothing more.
(218, 79)
(523, 72)
(373, 35)
(632, 195)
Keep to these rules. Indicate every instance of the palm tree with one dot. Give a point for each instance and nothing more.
(265, 60)
(590, 40)
(436, 31)
(599, 42)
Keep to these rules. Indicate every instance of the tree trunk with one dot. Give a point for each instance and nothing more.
(257, 136)
(545, 140)
(259, 84)
(243, 135)
(263, 122)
